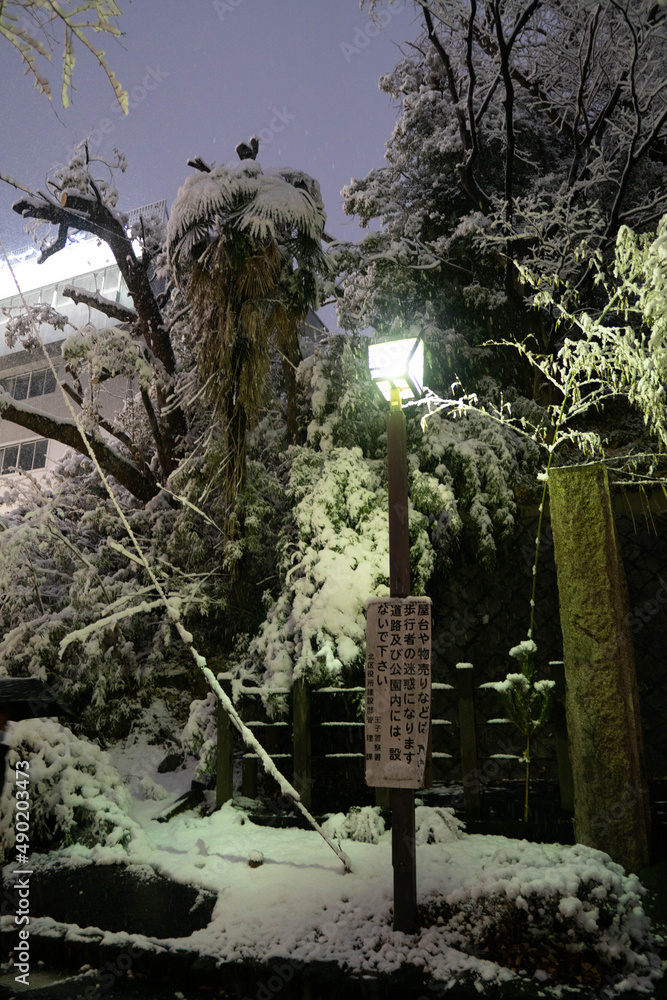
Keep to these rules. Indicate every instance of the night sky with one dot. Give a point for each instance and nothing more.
(203, 76)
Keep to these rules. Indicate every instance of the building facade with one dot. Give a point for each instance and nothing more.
(33, 375)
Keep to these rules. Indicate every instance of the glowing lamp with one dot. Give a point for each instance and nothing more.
(398, 365)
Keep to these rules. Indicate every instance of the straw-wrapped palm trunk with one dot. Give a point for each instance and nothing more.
(248, 249)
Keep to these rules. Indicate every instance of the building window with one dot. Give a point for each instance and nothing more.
(110, 282)
(27, 456)
(85, 281)
(29, 384)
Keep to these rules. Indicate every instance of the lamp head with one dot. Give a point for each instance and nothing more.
(398, 365)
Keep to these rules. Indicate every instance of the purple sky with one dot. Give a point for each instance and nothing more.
(203, 76)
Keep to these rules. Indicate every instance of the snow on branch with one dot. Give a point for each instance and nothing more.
(126, 314)
(81, 634)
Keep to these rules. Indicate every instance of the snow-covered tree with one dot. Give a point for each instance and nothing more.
(82, 197)
(614, 358)
(332, 543)
(77, 612)
(260, 234)
(75, 602)
(529, 132)
(247, 246)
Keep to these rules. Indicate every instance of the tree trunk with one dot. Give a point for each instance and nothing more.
(290, 359)
(611, 809)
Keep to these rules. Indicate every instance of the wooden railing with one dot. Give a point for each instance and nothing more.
(311, 734)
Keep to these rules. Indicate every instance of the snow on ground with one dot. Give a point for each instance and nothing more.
(295, 902)
(283, 894)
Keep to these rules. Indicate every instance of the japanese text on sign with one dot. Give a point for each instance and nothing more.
(398, 691)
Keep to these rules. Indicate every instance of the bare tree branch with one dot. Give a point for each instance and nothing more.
(137, 482)
(90, 215)
(163, 455)
(630, 161)
(114, 431)
(56, 246)
(504, 52)
(467, 129)
(451, 81)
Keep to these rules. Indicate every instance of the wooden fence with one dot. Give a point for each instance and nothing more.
(325, 727)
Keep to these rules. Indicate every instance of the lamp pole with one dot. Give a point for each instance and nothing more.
(402, 799)
(397, 368)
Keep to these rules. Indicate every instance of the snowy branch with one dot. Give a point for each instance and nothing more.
(66, 431)
(112, 309)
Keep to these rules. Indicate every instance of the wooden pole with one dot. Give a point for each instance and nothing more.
(397, 481)
(224, 778)
(403, 855)
(469, 768)
(301, 738)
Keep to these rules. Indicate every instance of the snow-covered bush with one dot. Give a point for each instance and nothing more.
(339, 558)
(478, 463)
(76, 612)
(76, 795)
(200, 734)
(333, 556)
(344, 409)
(436, 825)
(362, 823)
(570, 913)
(433, 825)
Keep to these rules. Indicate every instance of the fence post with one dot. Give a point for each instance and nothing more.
(224, 776)
(249, 766)
(470, 771)
(301, 738)
(565, 780)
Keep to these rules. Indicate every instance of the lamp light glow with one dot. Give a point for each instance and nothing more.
(398, 364)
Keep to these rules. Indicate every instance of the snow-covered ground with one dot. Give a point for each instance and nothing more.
(283, 894)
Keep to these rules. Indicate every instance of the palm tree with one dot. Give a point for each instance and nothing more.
(246, 247)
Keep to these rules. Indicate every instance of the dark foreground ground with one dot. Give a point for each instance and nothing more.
(265, 983)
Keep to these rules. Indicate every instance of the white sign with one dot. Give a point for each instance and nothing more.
(398, 690)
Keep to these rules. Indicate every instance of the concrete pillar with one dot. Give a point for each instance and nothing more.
(611, 808)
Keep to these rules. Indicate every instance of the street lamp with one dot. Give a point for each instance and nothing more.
(397, 368)
(398, 364)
